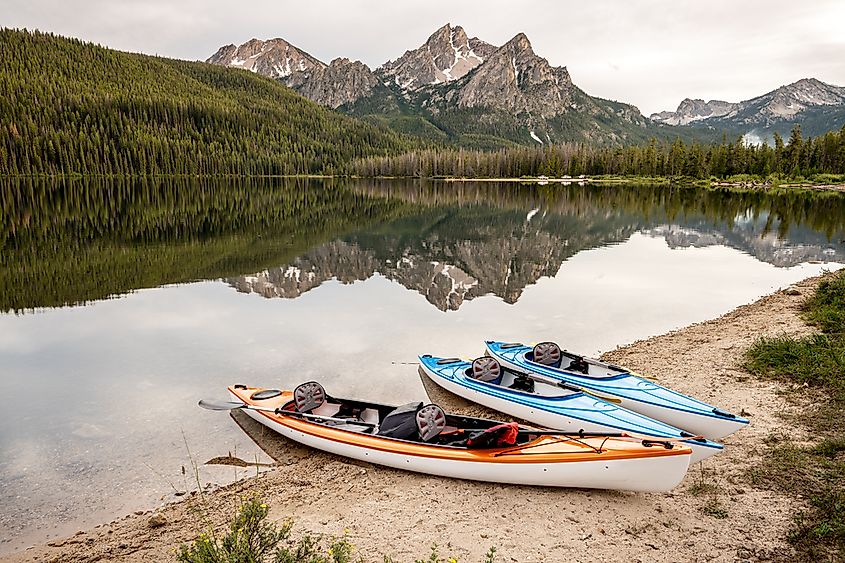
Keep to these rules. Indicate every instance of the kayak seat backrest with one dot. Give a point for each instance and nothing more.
(309, 396)
(546, 353)
(486, 369)
(401, 422)
(431, 421)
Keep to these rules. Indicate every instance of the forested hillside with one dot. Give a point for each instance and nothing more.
(798, 157)
(69, 107)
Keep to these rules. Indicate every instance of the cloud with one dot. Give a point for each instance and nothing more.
(651, 53)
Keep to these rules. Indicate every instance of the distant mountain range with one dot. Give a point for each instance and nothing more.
(818, 107)
(452, 88)
(461, 89)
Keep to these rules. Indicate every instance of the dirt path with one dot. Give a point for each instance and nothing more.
(714, 515)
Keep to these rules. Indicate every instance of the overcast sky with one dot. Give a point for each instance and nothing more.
(651, 53)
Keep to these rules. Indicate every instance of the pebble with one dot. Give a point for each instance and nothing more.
(792, 290)
(157, 520)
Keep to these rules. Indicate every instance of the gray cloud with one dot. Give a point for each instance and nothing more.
(651, 53)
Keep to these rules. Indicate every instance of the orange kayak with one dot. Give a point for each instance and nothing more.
(459, 448)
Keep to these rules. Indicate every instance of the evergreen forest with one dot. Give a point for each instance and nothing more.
(70, 107)
(796, 157)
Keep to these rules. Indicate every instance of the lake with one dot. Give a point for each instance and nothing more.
(122, 303)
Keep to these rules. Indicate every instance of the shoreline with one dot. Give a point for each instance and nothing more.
(657, 181)
(744, 185)
(714, 514)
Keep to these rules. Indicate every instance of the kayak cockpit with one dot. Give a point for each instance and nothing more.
(549, 355)
(412, 422)
(489, 372)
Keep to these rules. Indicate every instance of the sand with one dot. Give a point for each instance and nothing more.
(401, 514)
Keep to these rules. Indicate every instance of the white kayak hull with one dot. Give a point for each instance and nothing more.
(645, 474)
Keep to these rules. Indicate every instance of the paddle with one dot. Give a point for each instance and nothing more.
(232, 405)
(665, 442)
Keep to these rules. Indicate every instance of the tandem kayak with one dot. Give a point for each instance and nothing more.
(427, 440)
(550, 403)
(619, 385)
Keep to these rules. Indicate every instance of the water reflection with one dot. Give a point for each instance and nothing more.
(104, 390)
(462, 247)
(69, 242)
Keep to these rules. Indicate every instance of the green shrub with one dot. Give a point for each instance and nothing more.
(253, 539)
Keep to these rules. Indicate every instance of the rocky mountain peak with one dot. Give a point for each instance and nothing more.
(690, 110)
(343, 81)
(447, 55)
(515, 79)
(520, 41)
(275, 58)
(788, 100)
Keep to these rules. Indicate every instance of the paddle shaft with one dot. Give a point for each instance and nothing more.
(299, 414)
(569, 387)
(649, 439)
(313, 416)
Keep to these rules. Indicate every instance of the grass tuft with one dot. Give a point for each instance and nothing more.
(826, 308)
(814, 473)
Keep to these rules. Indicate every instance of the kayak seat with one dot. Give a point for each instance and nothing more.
(401, 422)
(431, 421)
(309, 396)
(546, 353)
(486, 369)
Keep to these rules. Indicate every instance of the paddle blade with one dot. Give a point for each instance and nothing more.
(220, 405)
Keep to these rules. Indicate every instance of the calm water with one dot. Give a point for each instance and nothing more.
(125, 303)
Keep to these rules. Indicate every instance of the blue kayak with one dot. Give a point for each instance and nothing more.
(551, 404)
(618, 385)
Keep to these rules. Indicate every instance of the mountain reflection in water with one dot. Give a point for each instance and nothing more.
(462, 246)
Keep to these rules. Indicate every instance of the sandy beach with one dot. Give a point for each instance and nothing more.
(714, 515)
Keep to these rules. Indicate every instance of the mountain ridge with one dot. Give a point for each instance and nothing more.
(818, 106)
(459, 89)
